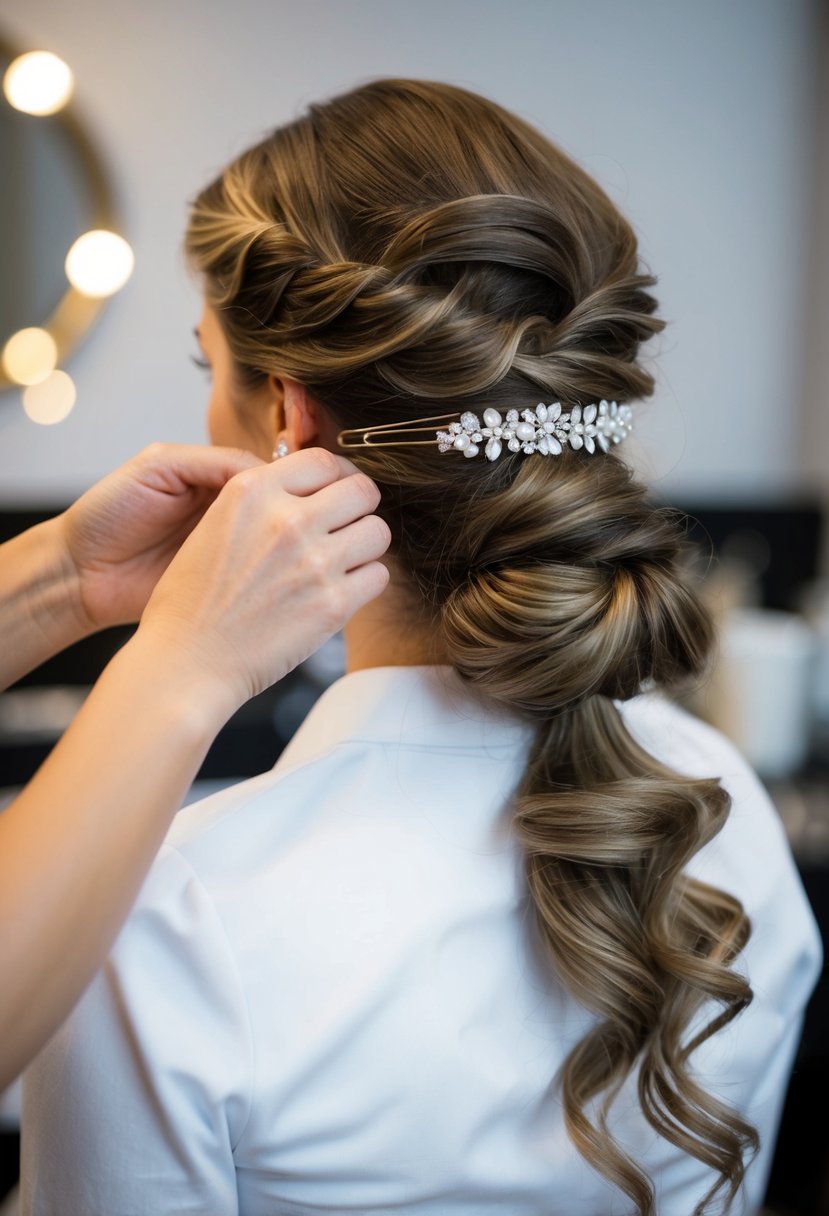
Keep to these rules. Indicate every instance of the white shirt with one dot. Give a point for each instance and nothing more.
(330, 997)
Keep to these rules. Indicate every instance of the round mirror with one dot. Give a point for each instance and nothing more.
(54, 190)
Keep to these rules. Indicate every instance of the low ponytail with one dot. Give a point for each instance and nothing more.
(606, 829)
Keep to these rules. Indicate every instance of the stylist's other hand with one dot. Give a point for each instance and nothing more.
(283, 557)
(120, 536)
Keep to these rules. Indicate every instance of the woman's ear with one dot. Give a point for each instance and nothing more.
(294, 414)
(300, 416)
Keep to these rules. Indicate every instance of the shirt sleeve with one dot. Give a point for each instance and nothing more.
(136, 1104)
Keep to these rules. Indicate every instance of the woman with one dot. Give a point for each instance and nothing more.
(524, 936)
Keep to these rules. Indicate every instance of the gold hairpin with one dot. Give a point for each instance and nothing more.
(366, 433)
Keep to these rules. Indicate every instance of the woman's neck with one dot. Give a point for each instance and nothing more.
(392, 631)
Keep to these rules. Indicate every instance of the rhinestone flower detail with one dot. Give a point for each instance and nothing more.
(547, 429)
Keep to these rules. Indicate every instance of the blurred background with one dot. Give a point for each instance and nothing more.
(708, 125)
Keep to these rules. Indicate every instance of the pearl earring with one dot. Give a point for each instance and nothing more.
(281, 450)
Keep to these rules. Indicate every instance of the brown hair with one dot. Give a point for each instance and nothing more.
(410, 248)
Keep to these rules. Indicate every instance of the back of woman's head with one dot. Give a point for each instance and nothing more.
(410, 249)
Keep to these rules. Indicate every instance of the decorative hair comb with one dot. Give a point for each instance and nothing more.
(546, 430)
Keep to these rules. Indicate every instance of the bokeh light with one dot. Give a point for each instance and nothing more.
(38, 83)
(51, 400)
(29, 356)
(99, 263)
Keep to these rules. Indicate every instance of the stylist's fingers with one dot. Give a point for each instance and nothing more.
(332, 494)
(342, 502)
(362, 541)
(362, 585)
(176, 467)
(309, 470)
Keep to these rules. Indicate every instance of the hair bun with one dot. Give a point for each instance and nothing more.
(584, 594)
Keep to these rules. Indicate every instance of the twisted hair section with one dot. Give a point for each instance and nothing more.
(409, 243)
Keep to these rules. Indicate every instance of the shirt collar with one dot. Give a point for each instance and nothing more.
(428, 707)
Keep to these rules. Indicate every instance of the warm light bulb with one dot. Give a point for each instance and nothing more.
(99, 263)
(38, 83)
(29, 356)
(51, 400)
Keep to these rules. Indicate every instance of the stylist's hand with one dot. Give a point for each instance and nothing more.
(282, 558)
(120, 536)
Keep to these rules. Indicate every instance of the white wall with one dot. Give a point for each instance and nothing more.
(698, 118)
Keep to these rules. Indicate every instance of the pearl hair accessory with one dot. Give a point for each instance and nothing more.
(546, 430)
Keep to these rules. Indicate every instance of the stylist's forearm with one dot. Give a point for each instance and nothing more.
(81, 847)
(39, 612)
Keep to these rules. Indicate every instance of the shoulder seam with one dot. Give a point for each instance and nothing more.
(243, 996)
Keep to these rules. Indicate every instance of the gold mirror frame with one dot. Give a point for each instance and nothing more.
(75, 313)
